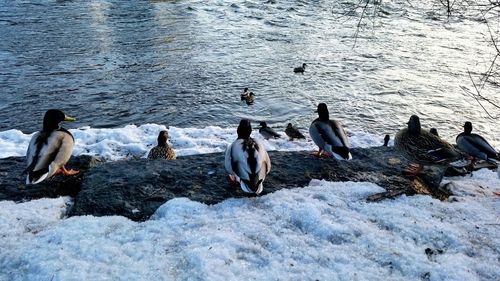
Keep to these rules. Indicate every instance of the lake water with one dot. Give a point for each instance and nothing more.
(185, 63)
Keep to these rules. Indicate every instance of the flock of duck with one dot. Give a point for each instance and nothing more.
(246, 159)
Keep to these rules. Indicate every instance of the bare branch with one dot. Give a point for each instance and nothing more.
(359, 24)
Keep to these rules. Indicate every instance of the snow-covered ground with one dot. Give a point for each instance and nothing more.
(325, 231)
(136, 141)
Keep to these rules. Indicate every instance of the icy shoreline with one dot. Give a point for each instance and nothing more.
(134, 141)
(325, 231)
(317, 230)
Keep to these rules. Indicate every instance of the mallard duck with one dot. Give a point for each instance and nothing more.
(300, 69)
(476, 146)
(268, 132)
(329, 135)
(293, 133)
(246, 92)
(247, 161)
(423, 147)
(248, 96)
(163, 149)
(49, 149)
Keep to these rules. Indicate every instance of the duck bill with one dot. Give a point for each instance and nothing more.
(68, 118)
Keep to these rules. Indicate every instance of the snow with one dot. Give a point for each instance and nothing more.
(134, 141)
(325, 231)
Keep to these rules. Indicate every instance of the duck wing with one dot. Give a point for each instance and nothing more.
(248, 160)
(316, 131)
(294, 133)
(32, 153)
(229, 162)
(425, 148)
(340, 133)
(476, 146)
(259, 165)
(329, 136)
(269, 133)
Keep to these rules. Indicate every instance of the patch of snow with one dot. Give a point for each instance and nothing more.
(326, 231)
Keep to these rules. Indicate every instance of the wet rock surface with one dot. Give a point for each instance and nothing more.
(13, 186)
(136, 188)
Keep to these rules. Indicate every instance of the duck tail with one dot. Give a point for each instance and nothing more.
(342, 151)
(445, 154)
(494, 161)
(37, 176)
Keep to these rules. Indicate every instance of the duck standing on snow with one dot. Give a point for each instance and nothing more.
(329, 135)
(387, 138)
(300, 69)
(247, 161)
(423, 147)
(49, 149)
(268, 132)
(293, 133)
(248, 96)
(476, 146)
(163, 150)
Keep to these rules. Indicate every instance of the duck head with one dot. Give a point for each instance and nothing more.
(323, 112)
(467, 128)
(162, 138)
(434, 131)
(52, 119)
(304, 65)
(244, 129)
(263, 124)
(387, 138)
(289, 125)
(414, 125)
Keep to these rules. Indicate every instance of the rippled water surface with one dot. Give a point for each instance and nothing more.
(185, 63)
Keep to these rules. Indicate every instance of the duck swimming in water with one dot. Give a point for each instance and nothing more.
(300, 69)
(245, 93)
(476, 146)
(293, 133)
(248, 96)
(423, 147)
(49, 149)
(329, 135)
(247, 161)
(268, 132)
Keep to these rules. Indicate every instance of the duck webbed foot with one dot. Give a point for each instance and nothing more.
(65, 172)
(233, 179)
(328, 154)
(413, 170)
(316, 153)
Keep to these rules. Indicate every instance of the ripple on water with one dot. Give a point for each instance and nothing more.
(112, 63)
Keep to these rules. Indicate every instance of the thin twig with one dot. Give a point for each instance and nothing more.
(359, 24)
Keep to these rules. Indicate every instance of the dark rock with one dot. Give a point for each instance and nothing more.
(13, 181)
(136, 188)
